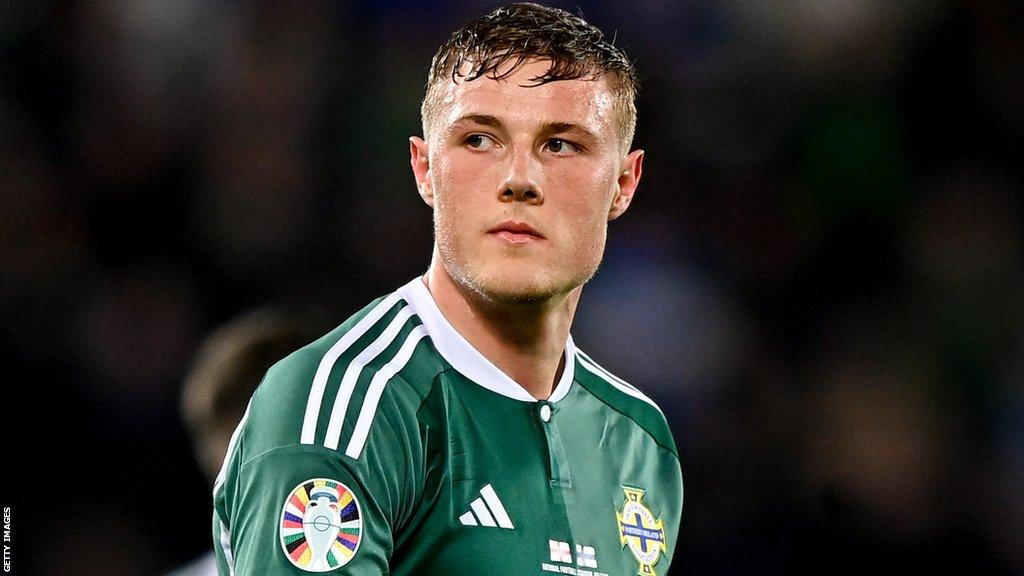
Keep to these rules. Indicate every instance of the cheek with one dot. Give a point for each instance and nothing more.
(590, 197)
(458, 181)
(587, 212)
(456, 202)
(446, 201)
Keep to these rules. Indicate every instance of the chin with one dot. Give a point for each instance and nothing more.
(510, 291)
(522, 286)
(516, 278)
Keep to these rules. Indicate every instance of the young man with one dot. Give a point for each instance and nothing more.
(452, 427)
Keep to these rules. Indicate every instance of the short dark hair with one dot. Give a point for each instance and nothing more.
(225, 372)
(518, 32)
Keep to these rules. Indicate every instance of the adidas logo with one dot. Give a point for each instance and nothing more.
(487, 510)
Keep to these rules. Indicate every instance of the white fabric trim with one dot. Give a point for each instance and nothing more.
(467, 359)
(376, 389)
(594, 365)
(225, 534)
(355, 368)
(225, 545)
(614, 380)
(323, 371)
(231, 449)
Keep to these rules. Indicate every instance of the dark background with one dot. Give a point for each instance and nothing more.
(820, 280)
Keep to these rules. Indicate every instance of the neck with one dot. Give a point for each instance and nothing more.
(525, 341)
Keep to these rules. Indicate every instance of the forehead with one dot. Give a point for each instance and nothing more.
(517, 101)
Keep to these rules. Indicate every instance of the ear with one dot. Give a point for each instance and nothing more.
(629, 179)
(419, 158)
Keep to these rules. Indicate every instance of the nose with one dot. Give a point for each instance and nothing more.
(521, 182)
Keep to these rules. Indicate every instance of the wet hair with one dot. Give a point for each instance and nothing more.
(498, 44)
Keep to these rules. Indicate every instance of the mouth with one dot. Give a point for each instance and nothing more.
(516, 232)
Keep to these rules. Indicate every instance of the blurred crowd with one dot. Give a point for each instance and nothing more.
(820, 280)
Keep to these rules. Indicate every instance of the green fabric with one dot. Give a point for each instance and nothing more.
(436, 440)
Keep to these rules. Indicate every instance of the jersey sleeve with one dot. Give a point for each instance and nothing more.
(293, 508)
(300, 509)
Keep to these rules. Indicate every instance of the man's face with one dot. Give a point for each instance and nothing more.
(523, 180)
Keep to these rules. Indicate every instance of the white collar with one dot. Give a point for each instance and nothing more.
(467, 359)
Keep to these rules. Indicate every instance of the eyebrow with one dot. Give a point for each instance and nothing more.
(563, 127)
(482, 119)
(547, 128)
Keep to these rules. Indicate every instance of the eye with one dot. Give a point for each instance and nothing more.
(312, 504)
(561, 147)
(479, 142)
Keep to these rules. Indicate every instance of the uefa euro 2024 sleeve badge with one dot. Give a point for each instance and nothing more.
(321, 526)
(641, 531)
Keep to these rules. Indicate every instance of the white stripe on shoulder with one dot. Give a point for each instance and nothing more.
(231, 449)
(615, 381)
(373, 394)
(596, 366)
(355, 368)
(323, 371)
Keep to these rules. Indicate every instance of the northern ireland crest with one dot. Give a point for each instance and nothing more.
(641, 531)
(321, 526)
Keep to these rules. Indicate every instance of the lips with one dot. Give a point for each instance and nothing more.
(516, 232)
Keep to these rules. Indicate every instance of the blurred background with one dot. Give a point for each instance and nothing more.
(820, 280)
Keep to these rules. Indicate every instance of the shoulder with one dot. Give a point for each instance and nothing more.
(327, 392)
(625, 399)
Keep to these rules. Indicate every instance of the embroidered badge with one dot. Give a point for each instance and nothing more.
(641, 531)
(321, 526)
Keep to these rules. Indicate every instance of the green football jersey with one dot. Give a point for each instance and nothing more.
(392, 446)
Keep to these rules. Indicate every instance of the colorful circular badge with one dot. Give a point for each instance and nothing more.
(321, 526)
